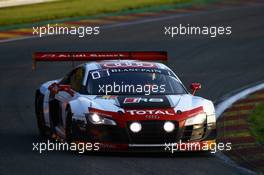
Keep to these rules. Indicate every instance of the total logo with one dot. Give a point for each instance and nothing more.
(150, 112)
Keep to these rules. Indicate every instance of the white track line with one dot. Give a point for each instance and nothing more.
(221, 107)
(13, 3)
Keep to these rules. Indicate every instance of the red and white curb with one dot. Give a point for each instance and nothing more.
(227, 103)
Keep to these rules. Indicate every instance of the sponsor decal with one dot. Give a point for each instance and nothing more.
(152, 117)
(113, 70)
(144, 101)
(139, 99)
(107, 55)
(150, 112)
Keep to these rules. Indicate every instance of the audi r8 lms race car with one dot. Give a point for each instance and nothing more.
(122, 100)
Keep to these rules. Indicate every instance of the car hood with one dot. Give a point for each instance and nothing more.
(115, 103)
(141, 105)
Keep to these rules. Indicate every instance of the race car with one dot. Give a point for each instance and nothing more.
(122, 100)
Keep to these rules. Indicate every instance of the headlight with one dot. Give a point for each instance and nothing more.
(168, 126)
(197, 119)
(98, 119)
(135, 127)
(95, 118)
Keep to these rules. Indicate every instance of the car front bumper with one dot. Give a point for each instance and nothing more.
(152, 135)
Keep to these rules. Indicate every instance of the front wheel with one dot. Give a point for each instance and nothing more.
(68, 127)
(39, 113)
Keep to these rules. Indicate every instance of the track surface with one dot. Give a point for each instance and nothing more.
(221, 65)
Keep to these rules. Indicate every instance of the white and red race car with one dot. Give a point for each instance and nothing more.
(123, 101)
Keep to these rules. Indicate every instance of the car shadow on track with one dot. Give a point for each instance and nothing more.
(150, 154)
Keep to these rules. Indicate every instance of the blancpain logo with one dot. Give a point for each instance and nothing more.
(150, 112)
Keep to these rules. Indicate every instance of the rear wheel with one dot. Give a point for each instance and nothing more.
(39, 113)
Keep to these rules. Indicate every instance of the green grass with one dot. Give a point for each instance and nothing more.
(76, 8)
(256, 120)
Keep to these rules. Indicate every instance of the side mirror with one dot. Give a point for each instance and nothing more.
(55, 88)
(195, 86)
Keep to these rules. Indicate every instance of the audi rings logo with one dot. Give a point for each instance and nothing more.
(152, 117)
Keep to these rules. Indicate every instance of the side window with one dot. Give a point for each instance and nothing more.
(76, 78)
(66, 78)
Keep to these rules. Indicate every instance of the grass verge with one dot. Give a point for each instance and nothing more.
(256, 123)
(78, 8)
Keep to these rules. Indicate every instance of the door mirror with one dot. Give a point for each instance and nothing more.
(67, 88)
(195, 86)
(55, 88)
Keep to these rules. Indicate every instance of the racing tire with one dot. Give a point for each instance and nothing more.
(68, 125)
(39, 113)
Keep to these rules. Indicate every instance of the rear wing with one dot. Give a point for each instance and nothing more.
(97, 56)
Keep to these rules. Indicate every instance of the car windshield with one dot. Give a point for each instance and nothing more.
(144, 82)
